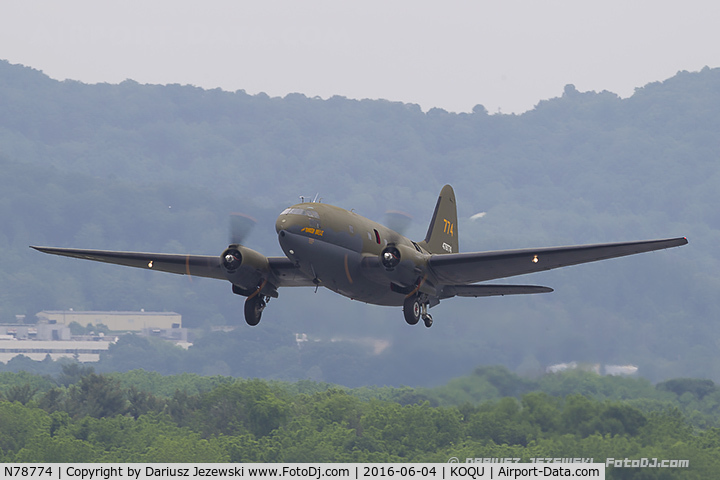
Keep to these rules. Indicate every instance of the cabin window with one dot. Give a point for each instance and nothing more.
(377, 236)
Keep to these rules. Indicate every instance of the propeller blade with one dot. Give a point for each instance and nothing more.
(398, 221)
(240, 227)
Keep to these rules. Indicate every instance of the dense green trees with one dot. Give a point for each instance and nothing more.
(99, 419)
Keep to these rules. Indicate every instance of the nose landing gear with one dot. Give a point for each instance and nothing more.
(415, 307)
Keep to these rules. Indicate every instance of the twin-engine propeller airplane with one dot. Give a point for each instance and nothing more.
(351, 255)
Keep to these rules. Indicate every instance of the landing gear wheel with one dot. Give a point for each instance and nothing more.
(254, 307)
(412, 308)
(427, 318)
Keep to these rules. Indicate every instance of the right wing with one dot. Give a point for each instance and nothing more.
(463, 268)
(195, 265)
(283, 271)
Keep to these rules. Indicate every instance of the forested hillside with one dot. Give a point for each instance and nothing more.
(158, 168)
(80, 416)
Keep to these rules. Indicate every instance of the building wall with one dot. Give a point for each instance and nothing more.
(115, 321)
(42, 331)
(39, 349)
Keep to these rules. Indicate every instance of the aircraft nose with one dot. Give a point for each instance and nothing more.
(287, 222)
(281, 223)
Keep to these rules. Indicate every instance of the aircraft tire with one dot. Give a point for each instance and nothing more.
(428, 321)
(253, 310)
(412, 309)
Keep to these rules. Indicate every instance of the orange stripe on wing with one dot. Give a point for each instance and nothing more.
(259, 289)
(418, 287)
(347, 270)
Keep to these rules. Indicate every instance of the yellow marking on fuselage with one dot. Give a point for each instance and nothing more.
(314, 231)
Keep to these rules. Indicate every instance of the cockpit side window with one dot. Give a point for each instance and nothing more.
(300, 211)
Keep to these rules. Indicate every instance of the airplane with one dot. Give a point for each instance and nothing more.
(328, 246)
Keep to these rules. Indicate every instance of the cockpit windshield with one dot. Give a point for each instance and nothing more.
(300, 211)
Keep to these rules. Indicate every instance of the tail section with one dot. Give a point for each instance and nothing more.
(442, 235)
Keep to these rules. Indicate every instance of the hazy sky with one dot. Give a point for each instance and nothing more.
(452, 54)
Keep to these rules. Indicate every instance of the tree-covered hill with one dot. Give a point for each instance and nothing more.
(158, 168)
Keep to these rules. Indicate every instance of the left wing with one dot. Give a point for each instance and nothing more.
(491, 290)
(462, 268)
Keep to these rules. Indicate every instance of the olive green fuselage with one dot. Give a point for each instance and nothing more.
(341, 250)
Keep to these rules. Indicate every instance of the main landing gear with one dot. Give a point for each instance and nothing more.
(255, 302)
(415, 307)
(254, 306)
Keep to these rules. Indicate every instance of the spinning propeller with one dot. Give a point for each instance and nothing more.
(397, 221)
(240, 227)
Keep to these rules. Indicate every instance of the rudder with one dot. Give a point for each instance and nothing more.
(442, 235)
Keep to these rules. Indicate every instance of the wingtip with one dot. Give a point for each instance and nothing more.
(42, 249)
(679, 241)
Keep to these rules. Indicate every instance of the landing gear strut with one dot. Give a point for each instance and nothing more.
(427, 319)
(415, 307)
(254, 306)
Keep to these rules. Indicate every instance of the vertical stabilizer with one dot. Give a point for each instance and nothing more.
(442, 235)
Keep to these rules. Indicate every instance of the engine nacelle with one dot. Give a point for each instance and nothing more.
(401, 264)
(244, 267)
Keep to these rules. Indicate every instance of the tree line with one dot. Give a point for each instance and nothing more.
(82, 416)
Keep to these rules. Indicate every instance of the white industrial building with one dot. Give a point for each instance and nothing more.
(51, 335)
(115, 321)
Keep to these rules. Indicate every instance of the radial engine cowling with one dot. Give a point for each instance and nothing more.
(244, 267)
(400, 263)
(390, 257)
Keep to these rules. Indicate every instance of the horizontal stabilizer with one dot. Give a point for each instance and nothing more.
(491, 290)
